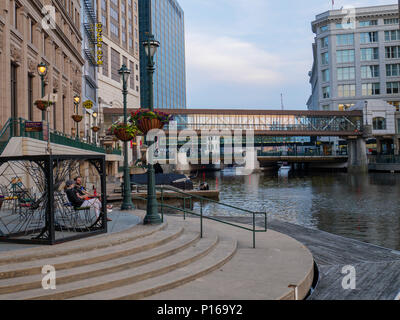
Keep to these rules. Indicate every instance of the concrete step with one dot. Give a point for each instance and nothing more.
(220, 255)
(122, 278)
(95, 256)
(89, 271)
(83, 246)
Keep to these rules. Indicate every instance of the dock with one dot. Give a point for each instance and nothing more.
(377, 268)
(169, 195)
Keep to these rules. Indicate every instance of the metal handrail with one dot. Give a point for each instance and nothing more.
(201, 215)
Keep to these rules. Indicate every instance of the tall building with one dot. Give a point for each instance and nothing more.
(120, 34)
(356, 57)
(167, 25)
(89, 76)
(26, 39)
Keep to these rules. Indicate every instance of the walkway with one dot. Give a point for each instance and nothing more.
(377, 268)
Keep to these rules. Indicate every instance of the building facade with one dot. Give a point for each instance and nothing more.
(27, 39)
(356, 57)
(90, 36)
(120, 34)
(167, 25)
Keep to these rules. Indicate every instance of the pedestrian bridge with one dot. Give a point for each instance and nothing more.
(266, 122)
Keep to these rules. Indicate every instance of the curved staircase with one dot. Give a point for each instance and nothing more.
(132, 264)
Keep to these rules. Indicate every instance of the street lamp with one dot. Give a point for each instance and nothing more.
(127, 196)
(42, 71)
(152, 216)
(77, 100)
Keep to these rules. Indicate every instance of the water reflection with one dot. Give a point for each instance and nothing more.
(364, 207)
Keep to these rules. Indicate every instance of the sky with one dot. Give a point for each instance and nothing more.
(245, 53)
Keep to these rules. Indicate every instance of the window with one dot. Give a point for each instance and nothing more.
(379, 123)
(325, 107)
(30, 97)
(392, 35)
(368, 72)
(15, 15)
(368, 23)
(392, 87)
(115, 65)
(323, 28)
(392, 21)
(346, 73)
(326, 92)
(132, 76)
(325, 75)
(345, 39)
(348, 25)
(368, 37)
(371, 89)
(105, 60)
(392, 52)
(368, 54)
(393, 70)
(347, 90)
(324, 42)
(345, 56)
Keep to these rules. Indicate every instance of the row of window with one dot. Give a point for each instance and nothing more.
(367, 54)
(365, 38)
(365, 23)
(367, 72)
(368, 89)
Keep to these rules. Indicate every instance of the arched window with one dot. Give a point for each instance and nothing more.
(379, 123)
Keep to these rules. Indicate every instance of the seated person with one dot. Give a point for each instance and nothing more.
(81, 189)
(78, 200)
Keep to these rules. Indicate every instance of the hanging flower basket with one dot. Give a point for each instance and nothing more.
(146, 120)
(95, 129)
(124, 132)
(43, 104)
(77, 117)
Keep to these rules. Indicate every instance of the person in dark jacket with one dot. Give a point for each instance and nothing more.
(78, 200)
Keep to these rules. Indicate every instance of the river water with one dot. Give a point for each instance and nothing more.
(363, 207)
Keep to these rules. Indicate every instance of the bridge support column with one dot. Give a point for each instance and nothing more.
(357, 161)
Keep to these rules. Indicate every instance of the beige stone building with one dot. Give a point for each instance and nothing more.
(25, 42)
(120, 30)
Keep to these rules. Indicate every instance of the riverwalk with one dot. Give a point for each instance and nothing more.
(377, 268)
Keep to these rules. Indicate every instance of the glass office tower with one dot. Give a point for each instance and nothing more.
(167, 26)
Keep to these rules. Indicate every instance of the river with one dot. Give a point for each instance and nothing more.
(363, 207)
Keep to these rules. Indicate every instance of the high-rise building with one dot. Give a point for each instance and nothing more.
(167, 21)
(120, 35)
(90, 36)
(356, 57)
(27, 39)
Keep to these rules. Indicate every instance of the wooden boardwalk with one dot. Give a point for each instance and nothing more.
(377, 269)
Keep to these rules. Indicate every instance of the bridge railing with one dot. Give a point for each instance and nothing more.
(382, 159)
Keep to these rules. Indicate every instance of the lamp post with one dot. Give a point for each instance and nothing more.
(152, 216)
(127, 196)
(42, 71)
(77, 99)
(94, 115)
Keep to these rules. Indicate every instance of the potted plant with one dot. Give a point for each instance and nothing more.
(95, 129)
(43, 104)
(146, 120)
(77, 117)
(124, 132)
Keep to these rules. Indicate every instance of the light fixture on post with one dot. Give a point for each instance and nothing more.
(77, 119)
(42, 71)
(127, 196)
(152, 217)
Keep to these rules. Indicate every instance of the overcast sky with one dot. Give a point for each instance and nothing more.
(245, 53)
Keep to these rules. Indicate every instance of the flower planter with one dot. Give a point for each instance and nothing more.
(123, 135)
(147, 124)
(42, 104)
(77, 117)
(95, 129)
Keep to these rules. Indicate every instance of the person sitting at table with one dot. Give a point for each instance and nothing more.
(78, 200)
